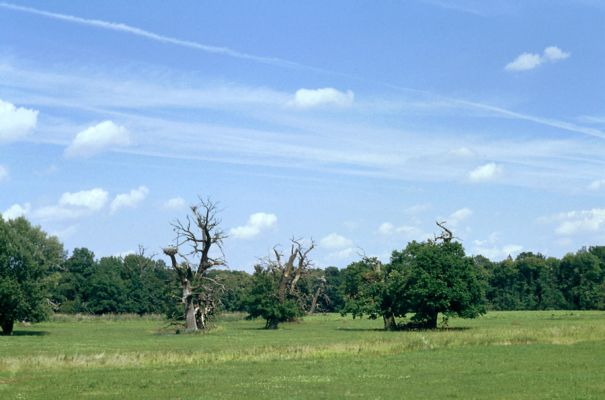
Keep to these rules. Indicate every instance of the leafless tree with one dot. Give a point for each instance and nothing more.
(284, 271)
(319, 291)
(198, 239)
(290, 270)
(446, 234)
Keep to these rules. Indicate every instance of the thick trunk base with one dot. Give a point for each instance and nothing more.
(7, 327)
(389, 323)
(271, 324)
(431, 322)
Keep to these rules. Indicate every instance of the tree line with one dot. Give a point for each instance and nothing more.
(423, 279)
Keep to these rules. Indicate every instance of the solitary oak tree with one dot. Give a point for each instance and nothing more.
(198, 248)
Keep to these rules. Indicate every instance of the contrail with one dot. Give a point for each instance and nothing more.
(225, 51)
(119, 27)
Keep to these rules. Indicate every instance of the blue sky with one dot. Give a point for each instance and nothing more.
(357, 124)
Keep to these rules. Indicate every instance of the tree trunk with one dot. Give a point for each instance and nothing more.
(431, 322)
(389, 322)
(190, 308)
(314, 301)
(7, 327)
(271, 324)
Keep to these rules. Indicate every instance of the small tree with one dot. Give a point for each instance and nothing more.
(274, 295)
(369, 290)
(27, 258)
(195, 239)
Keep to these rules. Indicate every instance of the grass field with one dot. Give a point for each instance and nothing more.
(503, 355)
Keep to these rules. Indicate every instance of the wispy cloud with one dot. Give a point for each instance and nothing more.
(269, 134)
(459, 216)
(124, 28)
(175, 203)
(3, 173)
(335, 241)
(597, 184)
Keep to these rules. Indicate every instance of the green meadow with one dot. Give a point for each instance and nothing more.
(502, 355)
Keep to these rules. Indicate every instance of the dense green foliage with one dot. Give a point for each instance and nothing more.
(534, 282)
(131, 284)
(28, 258)
(424, 278)
(263, 300)
(502, 355)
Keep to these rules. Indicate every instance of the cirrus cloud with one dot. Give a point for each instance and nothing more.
(3, 173)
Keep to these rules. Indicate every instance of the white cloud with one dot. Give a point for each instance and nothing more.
(257, 223)
(16, 122)
(388, 229)
(597, 185)
(66, 232)
(459, 215)
(343, 254)
(3, 173)
(578, 222)
(16, 210)
(130, 199)
(490, 248)
(554, 53)
(417, 209)
(73, 205)
(96, 139)
(335, 241)
(125, 253)
(485, 173)
(57, 212)
(462, 152)
(497, 253)
(524, 62)
(175, 203)
(94, 199)
(309, 98)
(528, 61)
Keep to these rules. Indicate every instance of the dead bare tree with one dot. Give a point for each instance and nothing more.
(198, 239)
(290, 271)
(318, 292)
(446, 234)
(284, 272)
